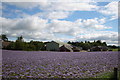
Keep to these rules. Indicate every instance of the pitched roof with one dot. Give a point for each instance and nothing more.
(68, 46)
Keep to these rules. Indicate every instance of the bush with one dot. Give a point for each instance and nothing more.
(110, 50)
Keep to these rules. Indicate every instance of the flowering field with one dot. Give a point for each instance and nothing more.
(44, 64)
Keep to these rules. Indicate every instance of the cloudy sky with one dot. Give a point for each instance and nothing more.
(61, 21)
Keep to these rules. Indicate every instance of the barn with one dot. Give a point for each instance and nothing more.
(52, 46)
(99, 48)
(61, 46)
(66, 48)
(76, 49)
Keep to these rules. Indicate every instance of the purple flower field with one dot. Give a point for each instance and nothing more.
(44, 64)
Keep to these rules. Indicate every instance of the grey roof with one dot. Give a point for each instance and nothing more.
(68, 46)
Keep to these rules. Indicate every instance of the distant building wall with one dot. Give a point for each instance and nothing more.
(76, 49)
(5, 44)
(64, 49)
(52, 46)
(99, 48)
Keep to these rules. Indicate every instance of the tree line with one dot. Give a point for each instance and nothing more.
(20, 44)
(87, 44)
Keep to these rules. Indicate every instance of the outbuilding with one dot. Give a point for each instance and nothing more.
(66, 48)
(99, 48)
(52, 46)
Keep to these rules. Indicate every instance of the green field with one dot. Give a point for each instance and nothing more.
(114, 49)
(108, 75)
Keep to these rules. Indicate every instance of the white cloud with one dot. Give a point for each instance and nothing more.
(56, 10)
(94, 23)
(34, 23)
(30, 23)
(57, 15)
(17, 11)
(25, 5)
(30, 27)
(119, 9)
(63, 8)
(1, 6)
(61, 26)
(41, 29)
(53, 14)
(110, 37)
(77, 27)
(110, 9)
(72, 6)
(57, 5)
(67, 5)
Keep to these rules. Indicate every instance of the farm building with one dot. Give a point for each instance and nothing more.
(76, 49)
(52, 46)
(104, 48)
(61, 46)
(5, 44)
(66, 48)
(99, 48)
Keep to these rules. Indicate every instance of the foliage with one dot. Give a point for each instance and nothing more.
(4, 37)
(87, 44)
(106, 75)
(20, 38)
(11, 46)
(20, 44)
(38, 45)
(113, 47)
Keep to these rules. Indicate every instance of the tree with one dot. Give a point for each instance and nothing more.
(85, 41)
(38, 45)
(31, 47)
(86, 46)
(11, 46)
(1, 37)
(19, 45)
(4, 37)
(69, 42)
(20, 38)
(99, 42)
(104, 44)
